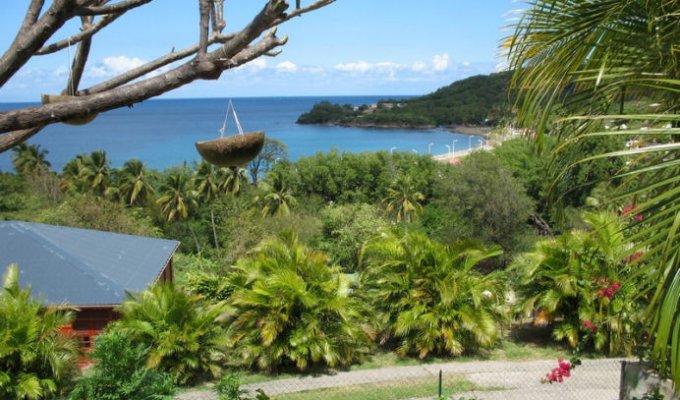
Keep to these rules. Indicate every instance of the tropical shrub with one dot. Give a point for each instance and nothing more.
(428, 298)
(120, 373)
(487, 199)
(294, 309)
(184, 334)
(36, 360)
(586, 283)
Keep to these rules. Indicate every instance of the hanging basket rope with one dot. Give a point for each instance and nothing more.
(231, 151)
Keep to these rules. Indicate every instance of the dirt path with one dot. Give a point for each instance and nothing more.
(594, 380)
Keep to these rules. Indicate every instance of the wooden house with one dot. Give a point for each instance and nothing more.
(91, 271)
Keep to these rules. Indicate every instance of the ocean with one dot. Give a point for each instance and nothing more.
(162, 133)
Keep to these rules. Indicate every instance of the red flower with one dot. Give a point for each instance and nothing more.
(632, 258)
(558, 374)
(631, 210)
(588, 324)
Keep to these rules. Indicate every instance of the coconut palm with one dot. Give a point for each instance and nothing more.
(278, 198)
(206, 182)
(582, 280)
(131, 184)
(176, 198)
(184, 334)
(291, 307)
(428, 297)
(29, 159)
(590, 59)
(403, 200)
(71, 173)
(95, 173)
(36, 359)
(234, 178)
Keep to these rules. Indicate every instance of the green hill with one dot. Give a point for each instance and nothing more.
(478, 100)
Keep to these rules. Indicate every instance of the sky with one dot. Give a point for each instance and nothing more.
(351, 47)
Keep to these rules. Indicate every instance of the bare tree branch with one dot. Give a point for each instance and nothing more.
(32, 14)
(85, 105)
(28, 41)
(83, 34)
(80, 59)
(11, 139)
(121, 6)
(236, 49)
(204, 7)
(154, 65)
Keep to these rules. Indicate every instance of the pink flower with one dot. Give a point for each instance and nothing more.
(633, 257)
(588, 324)
(558, 374)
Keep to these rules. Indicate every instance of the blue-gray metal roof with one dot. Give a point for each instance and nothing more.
(82, 266)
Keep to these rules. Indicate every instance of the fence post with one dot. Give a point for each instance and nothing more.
(439, 392)
(622, 382)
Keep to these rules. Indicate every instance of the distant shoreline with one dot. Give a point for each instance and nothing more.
(476, 130)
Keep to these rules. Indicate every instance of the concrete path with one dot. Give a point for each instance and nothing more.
(594, 380)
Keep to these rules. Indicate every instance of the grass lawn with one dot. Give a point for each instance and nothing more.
(394, 390)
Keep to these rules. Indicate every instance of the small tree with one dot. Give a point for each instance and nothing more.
(183, 333)
(290, 307)
(428, 298)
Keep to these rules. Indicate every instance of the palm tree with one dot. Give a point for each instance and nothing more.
(233, 181)
(95, 173)
(184, 334)
(29, 159)
(581, 280)
(278, 198)
(71, 173)
(131, 184)
(403, 200)
(289, 306)
(589, 59)
(206, 182)
(36, 359)
(428, 297)
(176, 196)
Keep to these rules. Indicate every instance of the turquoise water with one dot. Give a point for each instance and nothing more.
(162, 132)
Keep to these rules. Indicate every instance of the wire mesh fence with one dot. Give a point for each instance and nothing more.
(483, 380)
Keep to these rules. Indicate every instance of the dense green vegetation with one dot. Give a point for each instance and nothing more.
(478, 100)
(36, 360)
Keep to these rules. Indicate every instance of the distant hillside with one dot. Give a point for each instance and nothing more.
(478, 100)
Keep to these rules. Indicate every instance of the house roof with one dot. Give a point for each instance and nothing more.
(81, 266)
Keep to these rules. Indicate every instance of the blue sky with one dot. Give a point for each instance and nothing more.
(352, 47)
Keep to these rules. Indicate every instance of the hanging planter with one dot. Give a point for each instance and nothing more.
(80, 120)
(232, 151)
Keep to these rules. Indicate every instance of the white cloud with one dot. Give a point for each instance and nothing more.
(466, 64)
(419, 66)
(286, 66)
(120, 64)
(440, 62)
(255, 65)
(361, 66)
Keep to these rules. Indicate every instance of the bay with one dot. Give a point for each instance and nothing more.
(162, 132)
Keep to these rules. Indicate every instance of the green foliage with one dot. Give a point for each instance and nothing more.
(634, 59)
(325, 112)
(478, 100)
(292, 308)
(344, 230)
(84, 211)
(272, 151)
(11, 192)
(120, 373)
(428, 298)
(357, 178)
(403, 200)
(229, 388)
(176, 196)
(487, 199)
(131, 185)
(278, 198)
(584, 281)
(29, 159)
(183, 333)
(36, 360)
